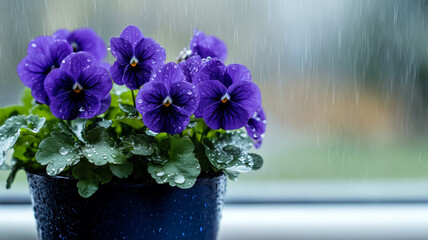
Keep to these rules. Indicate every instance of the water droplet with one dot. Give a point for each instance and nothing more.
(63, 151)
(179, 179)
(33, 45)
(140, 100)
(160, 174)
(81, 109)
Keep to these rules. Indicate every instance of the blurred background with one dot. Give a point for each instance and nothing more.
(344, 84)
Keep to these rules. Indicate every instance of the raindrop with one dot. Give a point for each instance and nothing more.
(81, 109)
(63, 151)
(34, 45)
(140, 100)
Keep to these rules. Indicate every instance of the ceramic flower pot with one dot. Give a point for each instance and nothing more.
(127, 211)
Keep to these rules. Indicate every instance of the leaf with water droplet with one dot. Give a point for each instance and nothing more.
(135, 122)
(128, 109)
(181, 169)
(122, 170)
(13, 127)
(140, 145)
(78, 126)
(57, 152)
(90, 177)
(100, 144)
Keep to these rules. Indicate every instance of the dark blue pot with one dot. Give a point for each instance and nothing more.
(127, 211)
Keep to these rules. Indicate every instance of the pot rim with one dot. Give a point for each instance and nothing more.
(206, 177)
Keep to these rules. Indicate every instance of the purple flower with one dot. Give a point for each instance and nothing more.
(84, 39)
(192, 66)
(78, 87)
(208, 46)
(228, 98)
(256, 126)
(136, 58)
(167, 101)
(43, 54)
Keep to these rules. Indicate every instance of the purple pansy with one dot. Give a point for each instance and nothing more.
(208, 46)
(228, 97)
(84, 39)
(44, 53)
(136, 57)
(168, 100)
(78, 87)
(256, 126)
(192, 66)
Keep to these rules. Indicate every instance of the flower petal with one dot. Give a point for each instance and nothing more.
(228, 116)
(149, 52)
(116, 72)
(170, 119)
(89, 105)
(184, 95)
(58, 82)
(32, 69)
(208, 46)
(210, 92)
(135, 77)
(169, 73)
(246, 94)
(40, 45)
(59, 50)
(95, 80)
(105, 104)
(237, 72)
(213, 70)
(76, 62)
(132, 34)
(121, 49)
(64, 107)
(256, 126)
(39, 93)
(88, 40)
(61, 34)
(151, 96)
(191, 67)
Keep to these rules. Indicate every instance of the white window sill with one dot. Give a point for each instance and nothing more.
(280, 222)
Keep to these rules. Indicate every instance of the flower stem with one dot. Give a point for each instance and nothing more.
(133, 98)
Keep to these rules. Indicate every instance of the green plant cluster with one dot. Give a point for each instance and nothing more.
(117, 146)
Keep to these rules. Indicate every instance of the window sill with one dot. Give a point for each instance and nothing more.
(282, 221)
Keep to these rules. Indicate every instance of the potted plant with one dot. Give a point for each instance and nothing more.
(143, 158)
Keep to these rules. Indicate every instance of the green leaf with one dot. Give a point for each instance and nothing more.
(11, 130)
(58, 152)
(258, 161)
(140, 145)
(122, 170)
(100, 148)
(11, 111)
(12, 175)
(135, 122)
(128, 109)
(42, 110)
(27, 98)
(90, 177)
(182, 168)
(78, 126)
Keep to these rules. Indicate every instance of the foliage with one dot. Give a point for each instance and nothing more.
(117, 145)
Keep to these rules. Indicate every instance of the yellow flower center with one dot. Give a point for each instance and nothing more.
(167, 101)
(134, 61)
(77, 88)
(225, 98)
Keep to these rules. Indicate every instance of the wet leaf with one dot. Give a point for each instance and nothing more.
(181, 169)
(58, 152)
(90, 177)
(100, 148)
(135, 122)
(12, 129)
(140, 145)
(128, 109)
(122, 170)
